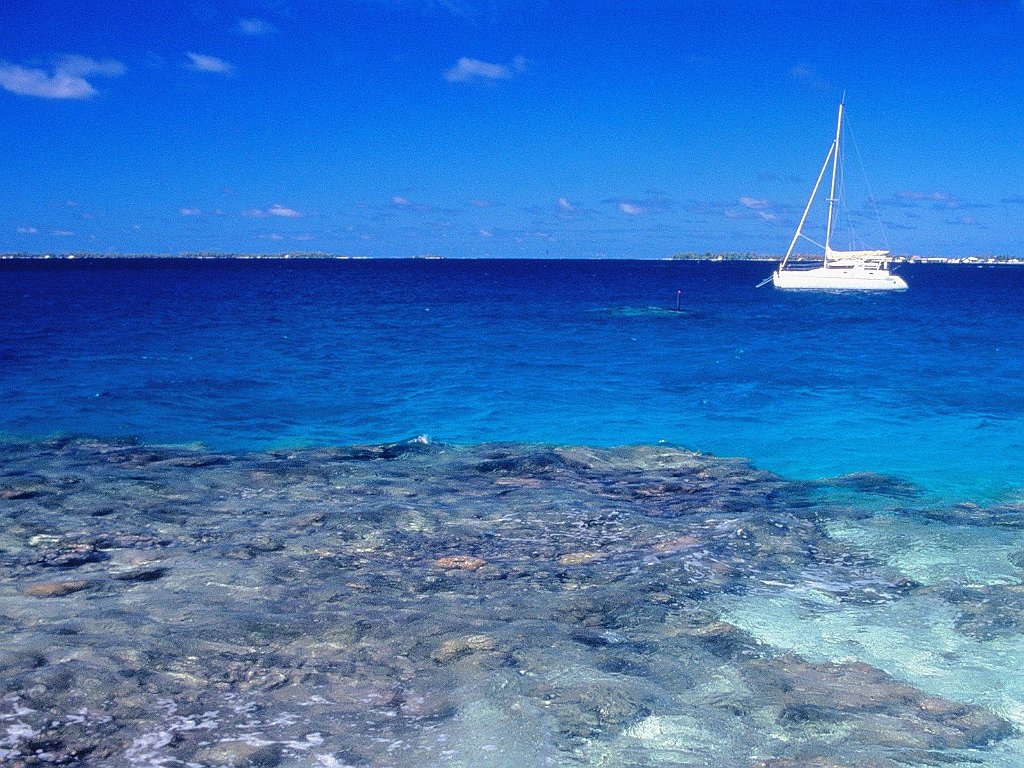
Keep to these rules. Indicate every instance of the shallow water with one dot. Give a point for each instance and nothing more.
(463, 602)
(502, 604)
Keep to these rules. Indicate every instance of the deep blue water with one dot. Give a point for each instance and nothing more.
(926, 384)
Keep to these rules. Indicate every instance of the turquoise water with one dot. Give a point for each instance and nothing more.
(925, 384)
(256, 597)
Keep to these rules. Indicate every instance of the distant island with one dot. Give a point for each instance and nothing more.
(189, 255)
(750, 256)
(682, 256)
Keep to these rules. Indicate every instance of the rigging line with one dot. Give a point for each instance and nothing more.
(871, 192)
(844, 206)
(812, 241)
(853, 240)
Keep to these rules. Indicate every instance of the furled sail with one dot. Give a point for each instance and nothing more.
(833, 255)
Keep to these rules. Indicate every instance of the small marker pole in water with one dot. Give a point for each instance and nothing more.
(679, 300)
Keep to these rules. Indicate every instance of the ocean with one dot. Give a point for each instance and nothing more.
(820, 493)
(236, 355)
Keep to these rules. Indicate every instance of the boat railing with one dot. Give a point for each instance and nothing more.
(803, 266)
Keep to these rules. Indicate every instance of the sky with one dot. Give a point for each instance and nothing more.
(494, 128)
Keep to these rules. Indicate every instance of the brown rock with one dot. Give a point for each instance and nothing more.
(677, 545)
(239, 754)
(55, 588)
(450, 650)
(460, 563)
(580, 558)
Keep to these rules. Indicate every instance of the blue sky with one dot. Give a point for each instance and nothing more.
(468, 128)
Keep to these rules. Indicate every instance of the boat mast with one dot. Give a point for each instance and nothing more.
(832, 189)
(814, 192)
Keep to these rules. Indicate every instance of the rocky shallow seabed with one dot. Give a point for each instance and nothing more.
(427, 605)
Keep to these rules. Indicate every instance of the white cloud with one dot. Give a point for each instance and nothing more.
(400, 201)
(950, 201)
(631, 209)
(486, 233)
(67, 80)
(27, 230)
(755, 207)
(189, 211)
(274, 210)
(63, 232)
(256, 27)
(473, 70)
(754, 203)
(565, 205)
(200, 62)
(83, 66)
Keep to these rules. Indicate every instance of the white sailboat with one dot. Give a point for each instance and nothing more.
(839, 270)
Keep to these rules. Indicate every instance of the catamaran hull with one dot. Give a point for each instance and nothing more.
(833, 279)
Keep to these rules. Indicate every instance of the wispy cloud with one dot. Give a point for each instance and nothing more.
(468, 70)
(277, 237)
(932, 196)
(189, 212)
(759, 206)
(654, 202)
(941, 199)
(280, 210)
(412, 209)
(66, 81)
(810, 78)
(754, 203)
(28, 230)
(484, 10)
(255, 27)
(752, 208)
(573, 210)
(200, 62)
(274, 210)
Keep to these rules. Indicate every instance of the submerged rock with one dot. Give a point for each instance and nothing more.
(240, 754)
(1005, 516)
(987, 612)
(66, 555)
(873, 482)
(392, 605)
(861, 705)
(460, 562)
(56, 588)
(450, 650)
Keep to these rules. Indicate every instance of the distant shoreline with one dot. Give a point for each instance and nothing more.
(702, 257)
